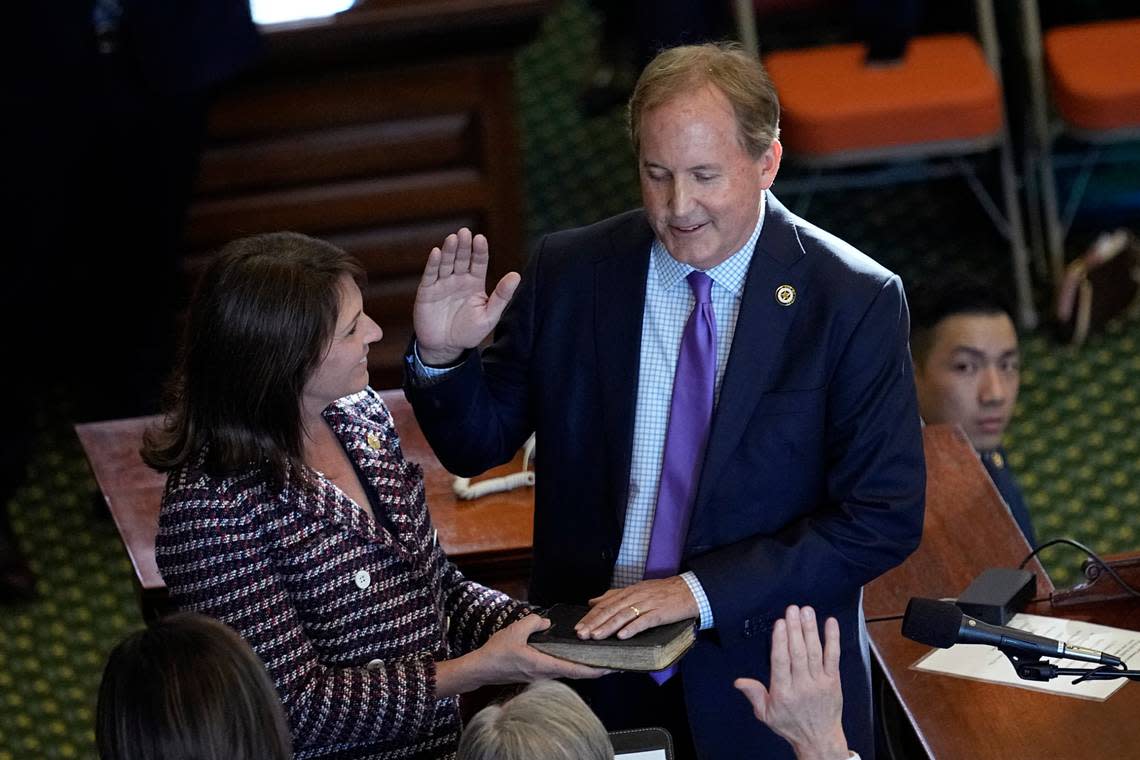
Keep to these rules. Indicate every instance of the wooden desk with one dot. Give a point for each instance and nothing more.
(968, 530)
(489, 539)
(959, 718)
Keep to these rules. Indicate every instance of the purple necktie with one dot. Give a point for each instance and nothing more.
(690, 414)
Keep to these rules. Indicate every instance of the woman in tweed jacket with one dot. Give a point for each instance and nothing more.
(291, 514)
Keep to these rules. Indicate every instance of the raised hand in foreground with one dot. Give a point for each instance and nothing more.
(804, 702)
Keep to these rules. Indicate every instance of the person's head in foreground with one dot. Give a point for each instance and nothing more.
(546, 720)
(804, 701)
(276, 333)
(704, 121)
(967, 365)
(188, 688)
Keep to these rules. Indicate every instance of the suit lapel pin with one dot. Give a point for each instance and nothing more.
(373, 440)
(785, 295)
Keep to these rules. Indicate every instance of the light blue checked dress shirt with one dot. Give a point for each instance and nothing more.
(668, 303)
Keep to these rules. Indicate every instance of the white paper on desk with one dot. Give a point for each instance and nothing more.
(986, 663)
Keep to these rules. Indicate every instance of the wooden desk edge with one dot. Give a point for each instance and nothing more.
(145, 568)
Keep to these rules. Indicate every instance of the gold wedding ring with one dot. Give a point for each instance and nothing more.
(636, 612)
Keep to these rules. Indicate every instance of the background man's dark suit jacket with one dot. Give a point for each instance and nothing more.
(813, 481)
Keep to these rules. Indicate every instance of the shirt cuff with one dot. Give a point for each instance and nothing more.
(421, 374)
(706, 618)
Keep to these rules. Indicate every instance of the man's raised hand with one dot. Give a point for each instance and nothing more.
(453, 311)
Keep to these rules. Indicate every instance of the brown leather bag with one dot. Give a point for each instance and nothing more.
(1100, 285)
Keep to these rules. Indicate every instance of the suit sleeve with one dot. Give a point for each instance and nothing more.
(214, 562)
(872, 515)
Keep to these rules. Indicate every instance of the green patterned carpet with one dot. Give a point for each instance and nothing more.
(52, 651)
(1075, 442)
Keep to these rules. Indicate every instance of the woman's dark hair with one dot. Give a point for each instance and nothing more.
(187, 688)
(260, 324)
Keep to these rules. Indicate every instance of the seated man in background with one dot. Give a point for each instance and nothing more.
(967, 372)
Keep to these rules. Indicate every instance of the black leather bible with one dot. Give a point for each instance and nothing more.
(652, 649)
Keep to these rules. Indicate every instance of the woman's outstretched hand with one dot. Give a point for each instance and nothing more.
(507, 658)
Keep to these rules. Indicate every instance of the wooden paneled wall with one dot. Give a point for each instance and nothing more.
(381, 143)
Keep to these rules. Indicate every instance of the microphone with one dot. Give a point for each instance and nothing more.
(942, 624)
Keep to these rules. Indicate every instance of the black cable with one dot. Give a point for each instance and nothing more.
(1043, 671)
(1104, 673)
(1036, 669)
(1091, 555)
(884, 618)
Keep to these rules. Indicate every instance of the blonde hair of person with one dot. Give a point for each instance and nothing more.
(546, 720)
(726, 66)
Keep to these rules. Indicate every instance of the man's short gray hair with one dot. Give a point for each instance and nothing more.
(726, 66)
(547, 720)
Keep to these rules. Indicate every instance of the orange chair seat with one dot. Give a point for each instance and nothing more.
(1095, 73)
(831, 102)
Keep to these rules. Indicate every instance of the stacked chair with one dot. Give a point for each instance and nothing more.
(1084, 83)
(854, 123)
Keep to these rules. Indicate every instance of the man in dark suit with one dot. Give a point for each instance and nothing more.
(804, 479)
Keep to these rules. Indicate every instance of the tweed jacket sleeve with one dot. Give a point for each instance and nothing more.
(475, 612)
(348, 617)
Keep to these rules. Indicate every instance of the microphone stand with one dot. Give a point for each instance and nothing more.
(1030, 668)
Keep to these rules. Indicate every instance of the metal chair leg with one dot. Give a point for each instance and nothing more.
(745, 16)
(1034, 222)
(1054, 235)
(1026, 313)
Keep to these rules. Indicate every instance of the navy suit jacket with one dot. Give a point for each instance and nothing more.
(813, 481)
(996, 463)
